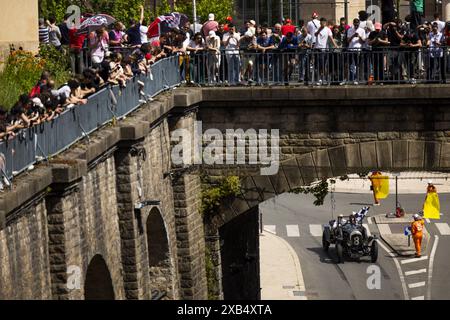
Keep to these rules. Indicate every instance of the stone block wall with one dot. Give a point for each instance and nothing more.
(24, 257)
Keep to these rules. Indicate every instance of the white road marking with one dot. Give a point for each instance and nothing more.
(443, 228)
(384, 228)
(430, 266)
(416, 285)
(414, 260)
(315, 230)
(367, 228)
(418, 298)
(292, 230)
(270, 228)
(410, 273)
(369, 220)
(399, 270)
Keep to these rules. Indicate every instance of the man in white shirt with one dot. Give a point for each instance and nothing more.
(323, 38)
(143, 30)
(313, 25)
(441, 24)
(356, 38)
(231, 43)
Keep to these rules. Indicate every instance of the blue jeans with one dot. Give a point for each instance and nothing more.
(233, 68)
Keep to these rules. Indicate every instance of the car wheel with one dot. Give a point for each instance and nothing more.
(374, 252)
(325, 236)
(339, 252)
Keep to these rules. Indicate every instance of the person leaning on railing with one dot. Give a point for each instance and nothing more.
(264, 44)
(436, 42)
(247, 45)
(410, 46)
(196, 48)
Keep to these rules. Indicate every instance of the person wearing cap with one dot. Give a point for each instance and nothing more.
(313, 25)
(287, 27)
(213, 58)
(417, 233)
(378, 40)
(210, 25)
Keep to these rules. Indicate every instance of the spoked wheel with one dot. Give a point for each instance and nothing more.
(374, 252)
(339, 252)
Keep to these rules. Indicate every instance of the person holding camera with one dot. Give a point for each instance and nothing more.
(378, 40)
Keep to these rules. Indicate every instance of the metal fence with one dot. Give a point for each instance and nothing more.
(319, 67)
(112, 102)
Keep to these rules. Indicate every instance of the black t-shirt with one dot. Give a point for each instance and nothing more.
(65, 40)
(380, 35)
(411, 38)
(134, 35)
(392, 37)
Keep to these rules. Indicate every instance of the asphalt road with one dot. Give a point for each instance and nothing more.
(297, 220)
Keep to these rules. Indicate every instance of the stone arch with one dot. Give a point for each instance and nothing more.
(98, 283)
(302, 170)
(159, 258)
(390, 155)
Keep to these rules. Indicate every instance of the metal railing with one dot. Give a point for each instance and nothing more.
(319, 67)
(312, 67)
(42, 141)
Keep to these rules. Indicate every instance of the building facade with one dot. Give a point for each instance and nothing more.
(18, 26)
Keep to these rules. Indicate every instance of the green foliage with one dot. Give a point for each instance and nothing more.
(123, 10)
(212, 197)
(220, 8)
(319, 190)
(56, 62)
(20, 73)
(23, 69)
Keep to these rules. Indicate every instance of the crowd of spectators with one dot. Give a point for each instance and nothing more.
(319, 51)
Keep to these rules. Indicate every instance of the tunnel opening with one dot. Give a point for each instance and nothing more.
(160, 267)
(98, 283)
(240, 257)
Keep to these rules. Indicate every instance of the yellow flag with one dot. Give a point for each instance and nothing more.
(431, 207)
(381, 186)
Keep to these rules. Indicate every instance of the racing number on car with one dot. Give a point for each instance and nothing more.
(356, 241)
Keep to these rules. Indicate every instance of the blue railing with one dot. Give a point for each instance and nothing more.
(50, 138)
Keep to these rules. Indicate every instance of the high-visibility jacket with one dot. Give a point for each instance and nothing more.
(417, 228)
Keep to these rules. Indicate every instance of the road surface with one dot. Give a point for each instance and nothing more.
(298, 221)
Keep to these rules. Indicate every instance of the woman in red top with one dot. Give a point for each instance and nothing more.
(76, 42)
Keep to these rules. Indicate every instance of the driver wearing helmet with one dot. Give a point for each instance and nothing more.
(352, 218)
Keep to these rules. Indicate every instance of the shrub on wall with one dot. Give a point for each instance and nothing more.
(212, 197)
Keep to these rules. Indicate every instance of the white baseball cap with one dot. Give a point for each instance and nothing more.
(212, 33)
(252, 22)
(211, 17)
(416, 216)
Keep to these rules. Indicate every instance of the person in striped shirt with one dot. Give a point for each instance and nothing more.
(44, 32)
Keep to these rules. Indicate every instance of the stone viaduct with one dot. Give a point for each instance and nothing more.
(114, 218)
